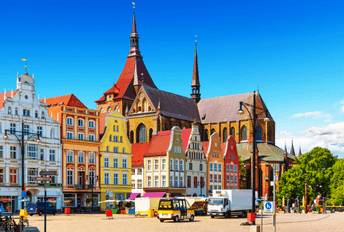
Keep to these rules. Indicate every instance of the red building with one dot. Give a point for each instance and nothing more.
(231, 164)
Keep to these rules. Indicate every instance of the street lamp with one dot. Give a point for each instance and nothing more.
(20, 139)
(254, 117)
(201, 184)
(91, 183)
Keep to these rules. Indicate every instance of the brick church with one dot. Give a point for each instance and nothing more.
(150, 110)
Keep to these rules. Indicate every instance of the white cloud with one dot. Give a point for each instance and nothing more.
(328, 120)
(343, 109)
(285, 134)
(317, 114)
(330, 136)
(308, 114)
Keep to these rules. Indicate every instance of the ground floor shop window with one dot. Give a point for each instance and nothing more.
(89, 200)
(6, 204)
(69, 200)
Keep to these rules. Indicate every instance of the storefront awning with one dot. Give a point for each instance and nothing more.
(133, 196)
(153, 194)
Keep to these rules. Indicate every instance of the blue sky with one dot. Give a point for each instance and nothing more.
(292, 50)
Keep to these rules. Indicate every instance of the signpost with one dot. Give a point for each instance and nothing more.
(37, 178)
(47, 185)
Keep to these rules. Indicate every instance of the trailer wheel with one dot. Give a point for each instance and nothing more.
(212, 216)
(192, 218)
(31, 214)
(176, 219)
(161, 220)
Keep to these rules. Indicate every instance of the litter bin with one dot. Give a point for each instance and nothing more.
(114, 211)
(67, 210)
(23, 213)
(251, 217)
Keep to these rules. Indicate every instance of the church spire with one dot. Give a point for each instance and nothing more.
(195, 85)
(299, 151)
(285, 149)
(134, 39)
(292, 151)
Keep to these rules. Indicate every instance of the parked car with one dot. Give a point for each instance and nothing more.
(50, 208)
(31, 208)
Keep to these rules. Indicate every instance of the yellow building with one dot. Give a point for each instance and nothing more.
(116, 158)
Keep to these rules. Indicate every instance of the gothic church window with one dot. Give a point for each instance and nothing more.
(141, 134)
(206, 135)
(224, 134)
(243, 133)
(233, 131)
(212, 131)
(259, 133)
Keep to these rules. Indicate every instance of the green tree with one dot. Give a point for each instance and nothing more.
(336, 195)
(315, 167)
(242, 172)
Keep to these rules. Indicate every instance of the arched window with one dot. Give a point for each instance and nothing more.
(259, 133)
(16, 111)
(91, 124)
(114, 128)
(206, 135)
(150, 134)
(117, 128)
(70, 121)
(131, 136)
(36, 114)
(224, 134)
(141, 133)
(212, 131)
(42, 114)
(52, 133)
(233, 131)
(243, 133)
(81, 122)
(9, 110)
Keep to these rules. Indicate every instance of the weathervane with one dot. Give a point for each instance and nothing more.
(24, 59)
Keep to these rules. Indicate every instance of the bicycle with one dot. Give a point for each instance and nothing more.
(23, 223)
(8, 224)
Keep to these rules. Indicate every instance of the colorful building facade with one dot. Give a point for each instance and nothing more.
(215, 163)
(164, 164)
(231, 164)
(22, 111)
(80, 150)
(138, 150)
(196, 162)
(116, 161)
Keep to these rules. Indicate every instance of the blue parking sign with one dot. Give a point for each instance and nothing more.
(268, 205)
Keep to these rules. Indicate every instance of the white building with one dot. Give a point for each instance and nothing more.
(21, 110)
(196, 163)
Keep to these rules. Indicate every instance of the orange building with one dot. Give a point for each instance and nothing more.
(80, 150)
(215, 163)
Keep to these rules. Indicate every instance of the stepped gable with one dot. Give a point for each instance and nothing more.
(67, 100)
(173, 105)
(138, 150)
(8, 95)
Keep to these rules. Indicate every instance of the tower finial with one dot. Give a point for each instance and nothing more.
(5, 95)
(134, 38)
(24, 59)
(195, 85)
(134, 19)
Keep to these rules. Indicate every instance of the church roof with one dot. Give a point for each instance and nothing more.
(225, 108)
(138, 150)
(158, 144)
(267, 152)
(67, 100)
(173, 105)
(8, 95)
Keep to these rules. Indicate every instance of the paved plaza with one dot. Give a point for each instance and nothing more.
(98, 222)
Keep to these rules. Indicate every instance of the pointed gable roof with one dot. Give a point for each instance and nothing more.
(67, 100)
(292, 151)
(8, 95)
(205, 146)
(138, 150)
(172, 105)
(185, 137)
(158, 144)
(225, 108)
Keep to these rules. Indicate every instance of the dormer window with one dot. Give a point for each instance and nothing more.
(55, 105)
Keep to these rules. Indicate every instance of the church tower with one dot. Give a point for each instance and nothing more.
(195, 85)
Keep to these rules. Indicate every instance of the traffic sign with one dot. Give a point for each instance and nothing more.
(41, 178)
(50, 185)
(48, 173)
(268, 207)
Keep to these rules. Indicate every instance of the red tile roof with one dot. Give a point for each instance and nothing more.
(185, 137)
(168, 132)
(138, 150)
(8, 94)
(125, 81)
(102, 122)
(67, 100)
(158, 145)
(205, 146)
(113, 89)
